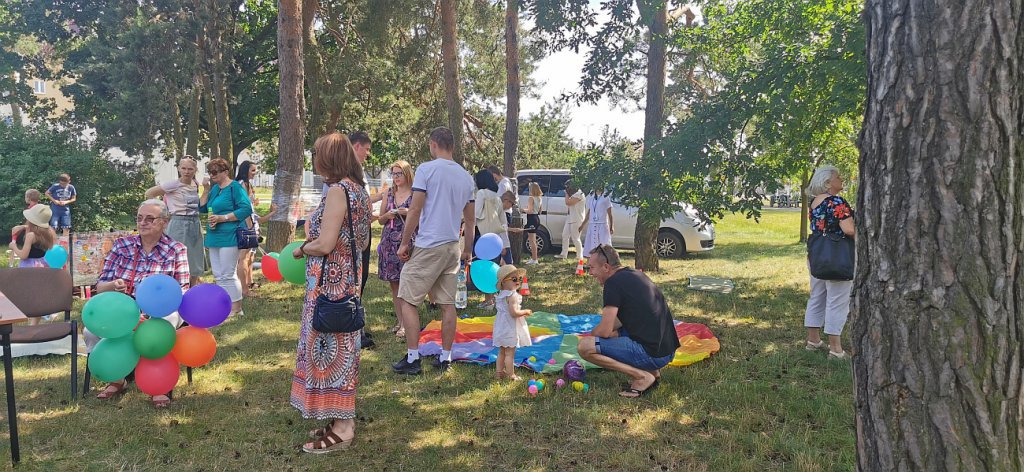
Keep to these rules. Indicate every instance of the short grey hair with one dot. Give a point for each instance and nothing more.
(164, 213)
(819, 181)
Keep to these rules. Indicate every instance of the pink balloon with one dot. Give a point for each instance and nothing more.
(157, 376)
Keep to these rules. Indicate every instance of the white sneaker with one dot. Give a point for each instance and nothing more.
(559, 256)
(532, 262)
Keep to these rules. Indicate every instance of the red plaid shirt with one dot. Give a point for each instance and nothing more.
(127, 261)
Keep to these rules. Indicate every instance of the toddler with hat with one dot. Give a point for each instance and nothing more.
(31, 240)
(510, 328)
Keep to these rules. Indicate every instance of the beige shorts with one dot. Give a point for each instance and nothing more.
(430, 271)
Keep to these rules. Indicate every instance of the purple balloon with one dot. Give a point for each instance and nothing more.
(574, 370)
(205, 305)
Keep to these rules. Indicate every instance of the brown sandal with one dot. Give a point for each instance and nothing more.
(328, 443)
(119, 389)
(320, 432)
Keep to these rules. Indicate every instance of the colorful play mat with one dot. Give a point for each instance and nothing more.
(554, 337)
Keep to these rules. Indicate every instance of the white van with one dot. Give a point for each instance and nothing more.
(676, 237)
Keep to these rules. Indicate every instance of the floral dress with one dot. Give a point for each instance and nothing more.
(389, 266)
(826, 216)
(327, 364)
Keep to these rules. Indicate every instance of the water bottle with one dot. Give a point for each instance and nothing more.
(460, 287)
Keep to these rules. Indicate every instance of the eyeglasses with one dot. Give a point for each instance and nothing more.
(398, 174)
(146, 220)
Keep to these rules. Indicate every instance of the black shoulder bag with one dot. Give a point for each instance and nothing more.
(831, 256)
(345, 315)
(246, 235)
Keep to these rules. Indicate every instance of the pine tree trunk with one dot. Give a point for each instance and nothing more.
(290, 159)
(192, 144)
(939, 292)
(648, 221)
(212, 135)
(450, 68)
(511, 86)
(179, 134)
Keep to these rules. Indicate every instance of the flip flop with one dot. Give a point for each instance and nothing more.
(121, 388)
(640, 393)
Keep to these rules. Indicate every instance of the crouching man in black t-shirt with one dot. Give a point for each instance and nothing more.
(636, 335)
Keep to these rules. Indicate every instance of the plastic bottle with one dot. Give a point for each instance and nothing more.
(460, 288)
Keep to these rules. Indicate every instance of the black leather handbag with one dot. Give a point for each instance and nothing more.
(831, 256)
(247, 236)
(345, 315)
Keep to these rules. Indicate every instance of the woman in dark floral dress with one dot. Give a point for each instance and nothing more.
(392, 218)
(327, 364)
(829, 303)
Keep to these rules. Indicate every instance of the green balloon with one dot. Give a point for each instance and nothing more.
(113, 359)
(154, 338)
(292, 269)
(111, 315)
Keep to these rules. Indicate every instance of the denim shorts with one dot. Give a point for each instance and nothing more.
(627, 351)
(61, 221)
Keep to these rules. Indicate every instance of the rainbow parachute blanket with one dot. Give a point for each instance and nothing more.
(554, 337)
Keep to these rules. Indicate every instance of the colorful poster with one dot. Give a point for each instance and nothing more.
(89, 250)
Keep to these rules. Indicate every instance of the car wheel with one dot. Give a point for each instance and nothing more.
(543, 242)
(670, 244)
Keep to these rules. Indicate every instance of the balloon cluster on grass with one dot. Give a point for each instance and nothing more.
(283, 266)
(153, 348)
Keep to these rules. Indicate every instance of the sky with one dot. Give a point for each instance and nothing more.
(560, 73)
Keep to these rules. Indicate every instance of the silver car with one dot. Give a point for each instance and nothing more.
(676, 237)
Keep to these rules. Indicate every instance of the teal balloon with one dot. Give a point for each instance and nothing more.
(292, 269)
(110, 315)
(154, 338)
(56, 257)
(275, 255)
(113, 359)
(484, 275)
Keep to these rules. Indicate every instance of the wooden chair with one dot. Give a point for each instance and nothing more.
(37, 292)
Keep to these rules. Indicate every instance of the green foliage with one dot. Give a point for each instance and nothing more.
(109, 192)
(779, 90)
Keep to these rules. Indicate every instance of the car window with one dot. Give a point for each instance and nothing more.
(524, 183)
(556, 186)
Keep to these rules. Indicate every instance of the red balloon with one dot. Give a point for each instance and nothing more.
(270, 269)
(157, 376)
(194, 347)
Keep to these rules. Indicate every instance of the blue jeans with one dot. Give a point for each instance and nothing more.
(627, 351)
(61, 220)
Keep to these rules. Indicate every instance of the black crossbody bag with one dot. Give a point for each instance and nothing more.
(345, 315)
(246, 235)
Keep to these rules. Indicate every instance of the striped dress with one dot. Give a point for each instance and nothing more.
(327, 364)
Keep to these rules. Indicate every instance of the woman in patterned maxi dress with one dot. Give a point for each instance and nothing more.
(327, 364)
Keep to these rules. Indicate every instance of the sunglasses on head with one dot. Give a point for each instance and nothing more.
(600, 248)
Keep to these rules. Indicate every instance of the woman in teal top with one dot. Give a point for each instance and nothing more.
(228, 204)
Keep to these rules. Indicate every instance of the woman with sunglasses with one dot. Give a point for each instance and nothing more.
(228, 204)
(392, 218)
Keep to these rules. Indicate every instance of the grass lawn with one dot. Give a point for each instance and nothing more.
(762, 403)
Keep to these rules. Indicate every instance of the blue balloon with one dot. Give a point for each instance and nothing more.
(56, 257)
(158, 295)
(484, 275)
(488, 246)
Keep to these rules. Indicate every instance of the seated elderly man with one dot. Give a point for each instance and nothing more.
(636, 335)
(134, 258)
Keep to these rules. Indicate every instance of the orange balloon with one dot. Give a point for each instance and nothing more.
(194, 347)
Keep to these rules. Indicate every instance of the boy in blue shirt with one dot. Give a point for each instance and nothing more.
(61, 195)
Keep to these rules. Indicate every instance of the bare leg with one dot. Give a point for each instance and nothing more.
(399, 330)
(835, 344)
(510, 363)
(533, 245)
(448, 320)
(500, 364)
(195, 280)
(814, 335)
(244, 271)
(411, 323)
(641, 379)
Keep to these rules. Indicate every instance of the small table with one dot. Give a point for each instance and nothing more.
(10, 314)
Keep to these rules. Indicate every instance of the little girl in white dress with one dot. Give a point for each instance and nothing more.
(510, 328)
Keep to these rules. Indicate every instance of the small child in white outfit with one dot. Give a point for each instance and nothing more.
(510, 328)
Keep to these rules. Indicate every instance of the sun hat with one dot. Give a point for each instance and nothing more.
(38, 215)
(507, 270)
